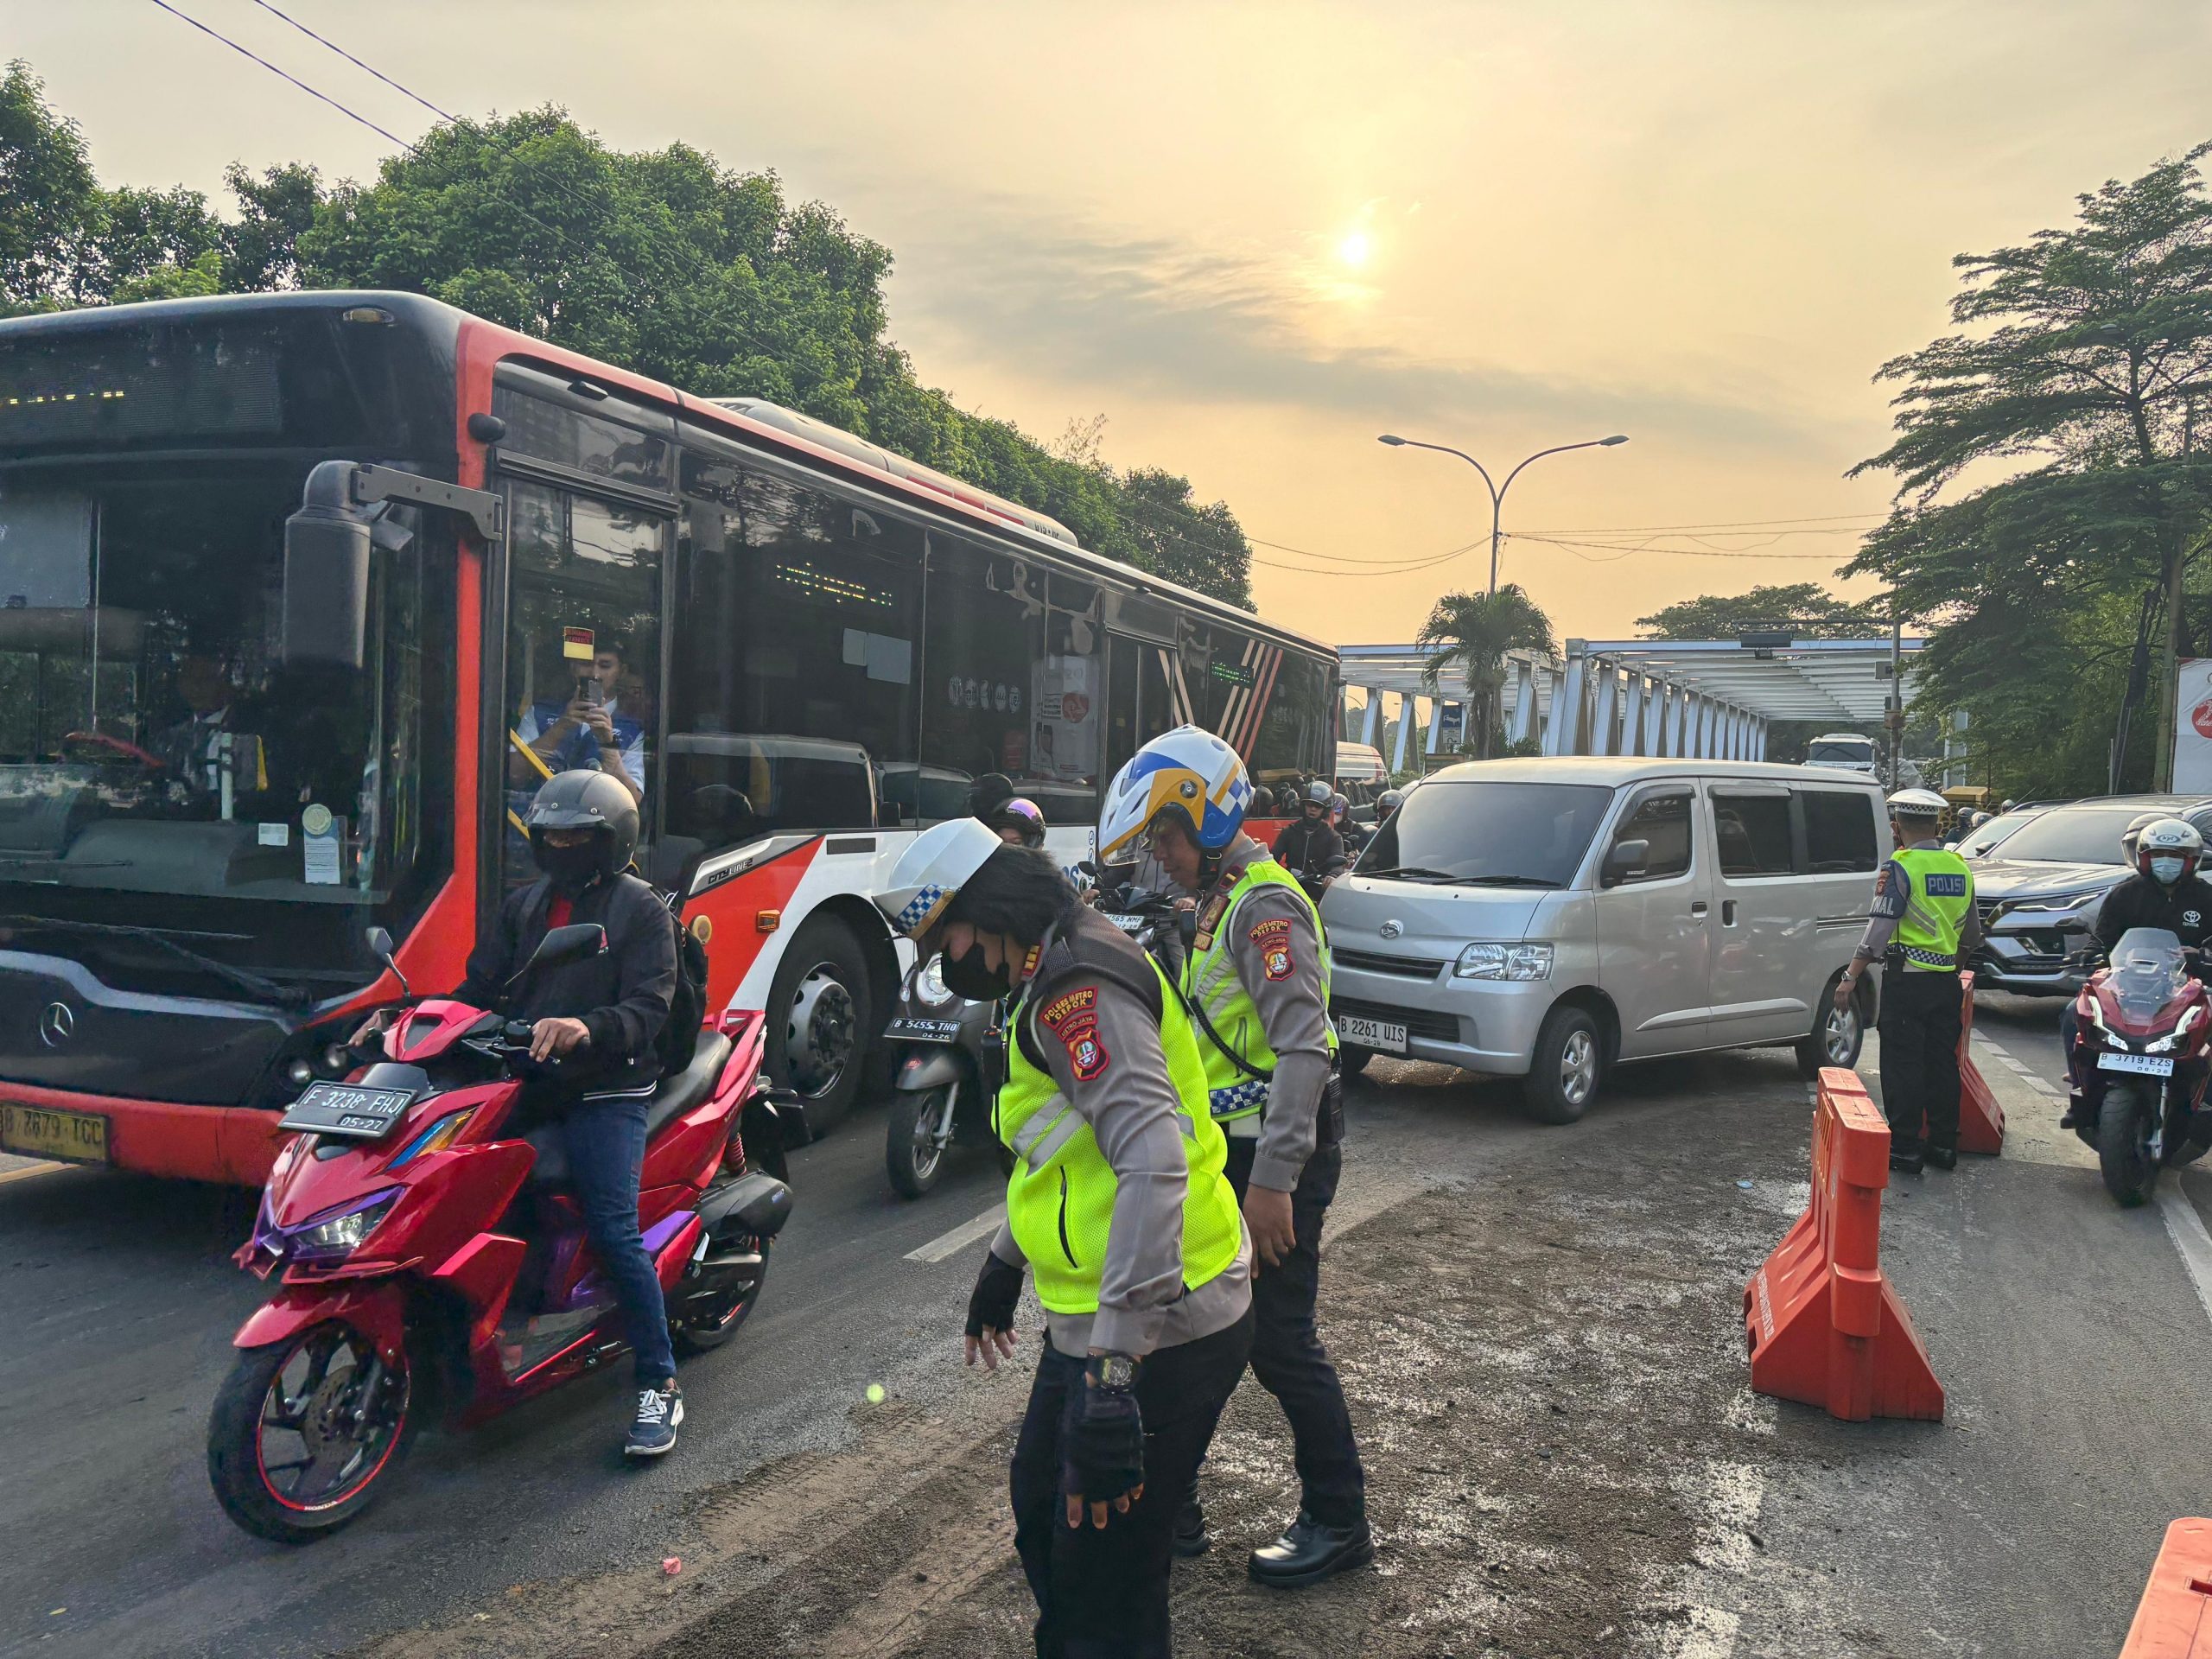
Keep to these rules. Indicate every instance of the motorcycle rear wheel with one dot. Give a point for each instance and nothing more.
(305, 1433)
(2123, 1127)
(912, 1155)
(702, 1324)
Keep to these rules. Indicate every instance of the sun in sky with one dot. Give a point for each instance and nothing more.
(1355, 249)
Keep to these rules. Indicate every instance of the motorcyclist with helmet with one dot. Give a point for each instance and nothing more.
(1308, 846)
(594, 1024)
(1256, 976)
(1387, 804)
(1018, 821)
(1117, 1206)
(2164, 892)
(1922, 926)
(1354, 835)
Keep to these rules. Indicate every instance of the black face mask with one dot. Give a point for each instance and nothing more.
(570, 870)
(969, 976)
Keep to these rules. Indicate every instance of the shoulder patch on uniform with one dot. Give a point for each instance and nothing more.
(1272, 938)
(1065, 1008)
(1262, 932)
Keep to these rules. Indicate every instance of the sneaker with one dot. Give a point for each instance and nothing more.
(652, 1431)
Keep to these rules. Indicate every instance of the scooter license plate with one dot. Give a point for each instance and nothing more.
(348, 1110)
(2151, 1065)
(924, 1031)
(1132, 926)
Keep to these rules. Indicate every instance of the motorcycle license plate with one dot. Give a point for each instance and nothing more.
(1372, 1033)
(1132, 926)
(924, 1031)
(347, 1110)
(2151, 1065)
(74, 1137)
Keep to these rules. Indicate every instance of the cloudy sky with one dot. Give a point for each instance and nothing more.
(1255, 236)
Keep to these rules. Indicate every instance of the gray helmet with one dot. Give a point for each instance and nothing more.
(584, 799)
(1319, 794)
(1390, 801)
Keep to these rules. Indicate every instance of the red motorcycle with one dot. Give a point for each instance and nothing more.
(395, 1218)
(2140, 1065)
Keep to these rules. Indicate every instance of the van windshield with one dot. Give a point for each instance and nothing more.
(1489, 834)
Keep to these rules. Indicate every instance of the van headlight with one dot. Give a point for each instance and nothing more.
(1487, 960)
(929, 984)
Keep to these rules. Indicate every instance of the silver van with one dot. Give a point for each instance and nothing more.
(1544, 919)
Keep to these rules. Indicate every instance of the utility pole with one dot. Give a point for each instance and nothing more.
(2169, 675)
(1895, 718)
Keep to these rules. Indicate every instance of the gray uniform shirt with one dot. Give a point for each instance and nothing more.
(1131, 1105)
(1276, 950)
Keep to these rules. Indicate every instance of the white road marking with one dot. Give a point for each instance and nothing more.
(26, 1174)
(960, 1237)
(2187, 1229)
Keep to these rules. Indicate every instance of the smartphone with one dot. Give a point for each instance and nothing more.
(587, 690)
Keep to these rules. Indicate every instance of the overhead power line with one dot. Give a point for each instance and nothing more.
(350, 115)
(406, 91)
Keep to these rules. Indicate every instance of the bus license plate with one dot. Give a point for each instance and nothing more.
(1372, 1033)
(2151, 1065)
(74, 1137)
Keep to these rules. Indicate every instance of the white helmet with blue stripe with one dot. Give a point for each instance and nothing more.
(1188, 772)
(935, 866)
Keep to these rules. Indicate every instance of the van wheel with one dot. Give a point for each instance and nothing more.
(1565, 1070)
(1837, 1035)
(1352, 1059)
(821, 1019)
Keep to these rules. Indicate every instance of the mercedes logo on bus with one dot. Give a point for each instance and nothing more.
(57, 1024)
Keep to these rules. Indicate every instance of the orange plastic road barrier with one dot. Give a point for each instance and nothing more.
(1824, 1324)
(2174, 1619)
(1981, 1119)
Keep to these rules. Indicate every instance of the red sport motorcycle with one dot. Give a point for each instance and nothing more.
(2139, 1063)
(395, 1218)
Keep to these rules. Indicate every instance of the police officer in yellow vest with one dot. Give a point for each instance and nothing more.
(1257, 978)
(1118, 1207)
(1923, 924)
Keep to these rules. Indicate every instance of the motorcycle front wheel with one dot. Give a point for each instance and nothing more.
(912, 1155)
(305, 1432)
(2123, 1127)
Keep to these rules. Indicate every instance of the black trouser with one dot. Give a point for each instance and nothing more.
(1103, 1594)
(1920, 1058)
(1286, 1353)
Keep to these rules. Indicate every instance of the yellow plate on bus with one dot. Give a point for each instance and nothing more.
(76, 1137)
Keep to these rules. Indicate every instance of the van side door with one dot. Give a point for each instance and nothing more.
(1652, 920)
(1765, 936)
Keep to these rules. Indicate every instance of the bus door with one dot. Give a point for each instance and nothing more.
(1139, 703)
(583, 650)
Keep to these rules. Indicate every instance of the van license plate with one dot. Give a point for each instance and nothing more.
(75, 1137)
(2151, 1065)
(1372, 1033)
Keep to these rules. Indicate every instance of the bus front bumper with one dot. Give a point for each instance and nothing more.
(231, 1145)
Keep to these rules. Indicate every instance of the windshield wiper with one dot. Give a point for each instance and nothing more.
(265, 990)
(1411, 873)
(1505, 881)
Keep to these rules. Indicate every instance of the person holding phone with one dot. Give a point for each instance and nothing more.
(593, 731)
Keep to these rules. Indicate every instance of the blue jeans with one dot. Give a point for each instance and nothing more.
(606, 1143)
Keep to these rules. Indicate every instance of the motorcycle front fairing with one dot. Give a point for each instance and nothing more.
(2147, 1003)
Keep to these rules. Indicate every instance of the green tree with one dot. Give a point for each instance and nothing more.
(1471, 632)
(1804, 608)
(47, 192)
(2082, 373)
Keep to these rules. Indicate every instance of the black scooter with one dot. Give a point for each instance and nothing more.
(949, 1059)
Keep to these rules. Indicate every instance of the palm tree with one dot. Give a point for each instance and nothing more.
(1474, 632)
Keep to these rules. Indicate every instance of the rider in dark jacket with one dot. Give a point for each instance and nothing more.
(1308, 847)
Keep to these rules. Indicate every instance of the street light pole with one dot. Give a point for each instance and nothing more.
(1498, 490)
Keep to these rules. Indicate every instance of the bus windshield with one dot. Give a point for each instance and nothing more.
(1845, 752)
(163, 772)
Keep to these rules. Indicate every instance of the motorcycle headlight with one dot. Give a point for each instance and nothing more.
(929, 984)
(1497, 960)
(341, 1234)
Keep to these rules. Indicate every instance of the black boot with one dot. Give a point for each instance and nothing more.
(1191, 1537)
(1940, 1157)
(1309, 1552)
(1908, 1161)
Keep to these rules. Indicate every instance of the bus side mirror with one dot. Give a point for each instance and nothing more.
(327, 546)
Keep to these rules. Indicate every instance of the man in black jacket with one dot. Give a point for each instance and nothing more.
(1309, 848)
(2165, 891)
(595, 1026)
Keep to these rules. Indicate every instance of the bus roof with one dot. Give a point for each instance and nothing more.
(764, 424)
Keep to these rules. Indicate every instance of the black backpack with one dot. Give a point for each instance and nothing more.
(687, 1009)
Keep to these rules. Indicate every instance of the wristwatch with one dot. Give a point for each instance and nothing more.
(1111, 1371)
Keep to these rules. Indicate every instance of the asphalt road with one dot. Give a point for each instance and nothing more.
(2074, 1343)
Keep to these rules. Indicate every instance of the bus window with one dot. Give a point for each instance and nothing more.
(583, 647)
(794, 668)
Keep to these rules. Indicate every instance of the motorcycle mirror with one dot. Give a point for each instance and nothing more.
(381, 948)
(561, 945)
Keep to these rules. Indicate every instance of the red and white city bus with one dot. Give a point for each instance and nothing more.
(807, 648)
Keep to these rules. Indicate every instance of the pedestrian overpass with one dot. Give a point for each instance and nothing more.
(1673, 698)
